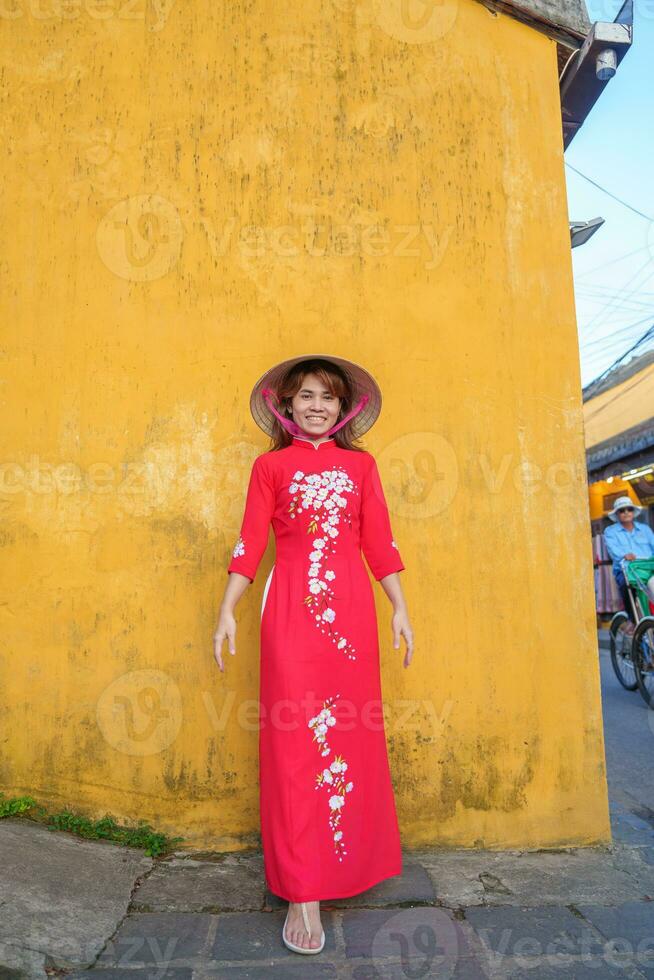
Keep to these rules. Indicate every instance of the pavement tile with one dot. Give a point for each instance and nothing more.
(7, 973)
(408, 933)
(629, 927)
(565, 968)
(62, 895)
(508, 878)
(532, 932)
(258, 936)
(634, 862)
(157, 938)
(122, 973)
(413, 885)
(646, 971)
(463, 969)
(190, 885)
(18, 962)
(629, 830)
(316, 969)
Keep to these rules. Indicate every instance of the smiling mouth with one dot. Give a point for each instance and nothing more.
(315, 418)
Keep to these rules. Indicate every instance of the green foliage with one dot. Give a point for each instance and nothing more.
(142, 835)
(16, 805)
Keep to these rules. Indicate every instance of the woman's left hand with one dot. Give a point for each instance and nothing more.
(402, 627)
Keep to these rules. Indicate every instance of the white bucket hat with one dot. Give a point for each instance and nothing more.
(623, 502)
(366, 391)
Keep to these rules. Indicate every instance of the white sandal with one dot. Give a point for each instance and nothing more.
(302, 949)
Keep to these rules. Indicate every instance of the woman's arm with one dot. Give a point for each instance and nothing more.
(248, 551)
(382, 554)
(400, 624)
(226, 628)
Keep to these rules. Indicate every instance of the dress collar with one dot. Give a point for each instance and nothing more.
(306, 443)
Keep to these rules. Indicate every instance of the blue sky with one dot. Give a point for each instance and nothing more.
(614, 271)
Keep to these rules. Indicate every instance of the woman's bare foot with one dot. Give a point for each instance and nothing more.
(295, 929)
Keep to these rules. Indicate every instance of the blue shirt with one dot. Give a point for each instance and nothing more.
(639, 542)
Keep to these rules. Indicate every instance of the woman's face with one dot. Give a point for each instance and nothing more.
(314, 407)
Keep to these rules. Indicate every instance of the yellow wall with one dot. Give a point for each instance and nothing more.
(166, 173)
(620, 407)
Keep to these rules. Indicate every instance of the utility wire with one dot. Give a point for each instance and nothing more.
(649, 333)
(617, 337)
(627, 306)
(609, 307)
(619, 394)
(605, 290)
(596, 268)
(604, 191)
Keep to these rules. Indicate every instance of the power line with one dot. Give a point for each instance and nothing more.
(596, 268)
(609, 307)
(618, 336)
(627, 305)
(599, 358)
(649, 333)
(605, 290)
(634, 384)
(604, 191)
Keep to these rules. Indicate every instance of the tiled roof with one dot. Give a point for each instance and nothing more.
(636, 439)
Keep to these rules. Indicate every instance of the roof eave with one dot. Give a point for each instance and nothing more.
(569, 29)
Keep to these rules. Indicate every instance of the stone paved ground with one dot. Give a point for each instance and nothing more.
(97, 911)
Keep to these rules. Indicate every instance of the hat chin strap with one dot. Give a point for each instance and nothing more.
(295, 429)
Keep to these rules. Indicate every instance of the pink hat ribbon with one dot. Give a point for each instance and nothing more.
(295, 429)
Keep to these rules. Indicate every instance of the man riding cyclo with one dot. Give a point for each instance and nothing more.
(629, 541)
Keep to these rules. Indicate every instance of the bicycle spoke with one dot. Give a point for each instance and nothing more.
(622, 652)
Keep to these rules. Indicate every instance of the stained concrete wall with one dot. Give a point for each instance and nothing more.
(194, 191)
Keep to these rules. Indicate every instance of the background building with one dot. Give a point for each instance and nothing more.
(619, 427)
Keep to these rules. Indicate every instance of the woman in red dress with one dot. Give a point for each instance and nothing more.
(328, 821)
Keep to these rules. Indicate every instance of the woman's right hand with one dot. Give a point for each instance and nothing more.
(226, 629)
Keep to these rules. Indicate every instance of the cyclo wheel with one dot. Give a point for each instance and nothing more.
(621, 652)
(643, 657)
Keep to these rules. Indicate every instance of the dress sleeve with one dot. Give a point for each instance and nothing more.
(379, 548)
(259, 508)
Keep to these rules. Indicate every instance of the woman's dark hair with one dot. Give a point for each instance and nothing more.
(335, 379)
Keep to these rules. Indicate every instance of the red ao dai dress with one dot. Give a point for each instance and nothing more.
(329, 826)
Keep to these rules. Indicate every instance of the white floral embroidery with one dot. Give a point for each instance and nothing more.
(331, 776)
(321, 722)
(393, 544)
(323, 496)
(239, 548)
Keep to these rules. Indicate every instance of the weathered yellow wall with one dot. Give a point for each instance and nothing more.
(194, 192)
(620, 407)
